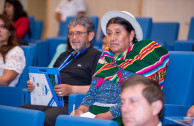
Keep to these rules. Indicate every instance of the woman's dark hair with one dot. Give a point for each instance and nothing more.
(12, 40)
(128, 27)
(18, 9)
(68, 45)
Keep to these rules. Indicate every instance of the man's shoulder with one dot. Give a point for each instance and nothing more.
(94, 51)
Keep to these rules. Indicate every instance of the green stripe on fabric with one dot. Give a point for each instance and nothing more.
(97, 110)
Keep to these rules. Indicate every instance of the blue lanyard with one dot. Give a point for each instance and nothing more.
(64, 64)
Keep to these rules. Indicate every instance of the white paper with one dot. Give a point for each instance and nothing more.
(88, 115)
(41, 95)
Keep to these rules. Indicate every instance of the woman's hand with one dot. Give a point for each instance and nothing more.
(107, 116)
(82, 109)
(190, 112)
(63, 89)
(30, 86)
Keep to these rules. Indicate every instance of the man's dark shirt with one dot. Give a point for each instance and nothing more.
(80, 70)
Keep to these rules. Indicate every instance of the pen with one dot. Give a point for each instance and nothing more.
(73, 109)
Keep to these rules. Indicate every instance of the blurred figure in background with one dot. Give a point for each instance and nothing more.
(12, 59)
(14, 10)
(69, 8)
(104, 42)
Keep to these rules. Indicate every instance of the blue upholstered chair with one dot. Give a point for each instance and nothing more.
(35, 30)
(27, 36)
(53, 43)
(146, 25)
(42, 53)
(29, 52)
(184, 45)
(165, 33)
(11, 96)
(13, 116)
(74, 99)
(179, 82)
(82, 121)
(173, 110)
(61, 31)
(38, 29)
(191, 30)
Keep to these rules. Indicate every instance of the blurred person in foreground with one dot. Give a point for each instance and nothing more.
(127, 55)
(142, 102)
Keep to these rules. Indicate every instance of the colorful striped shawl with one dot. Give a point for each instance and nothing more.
(146, 57)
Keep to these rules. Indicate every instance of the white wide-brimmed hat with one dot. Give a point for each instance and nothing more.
(127, 16)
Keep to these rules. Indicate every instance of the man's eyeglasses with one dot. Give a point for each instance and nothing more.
(77, 34)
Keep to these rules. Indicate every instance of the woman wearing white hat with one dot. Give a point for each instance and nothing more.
(126, 56)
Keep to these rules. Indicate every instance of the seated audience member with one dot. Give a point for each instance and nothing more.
(12, 59)
(126, 56)
(69, 8)
(142, 102)
(76, 67)
(190, 112)
(14, 10)
(104, 42)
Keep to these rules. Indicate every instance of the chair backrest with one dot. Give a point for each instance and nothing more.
(37, 32)
(165, 33)
(184, 45)
(82, 121)
(146, 25)
(179, 82)
(13, 116)
(63, 26)
(29, 52)
(28, 35)
(191, 30)
(53, 44)
(11, 96)
(42, 53)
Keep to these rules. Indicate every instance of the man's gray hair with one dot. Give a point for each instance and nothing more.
(84, 21)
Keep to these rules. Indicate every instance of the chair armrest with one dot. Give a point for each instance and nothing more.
(27, 99)
(173, 110)
(80, 121)
(20, 117)
(74, 99)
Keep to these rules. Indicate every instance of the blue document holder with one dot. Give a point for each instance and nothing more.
(44, 80)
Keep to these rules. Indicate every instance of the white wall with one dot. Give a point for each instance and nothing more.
(1, 6)
(160, 10)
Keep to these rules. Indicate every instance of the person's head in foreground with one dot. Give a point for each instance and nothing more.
(80, 32)
(142, 102)
(121, 30)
